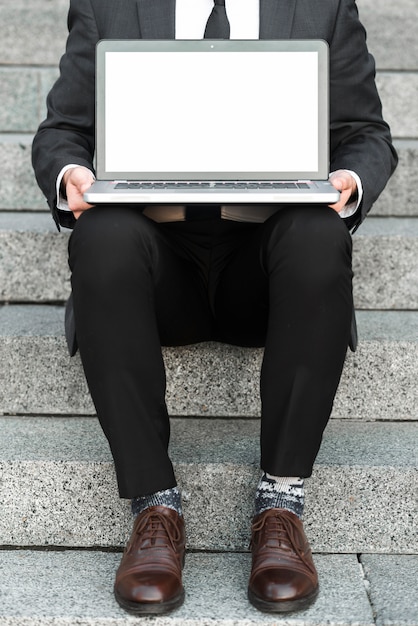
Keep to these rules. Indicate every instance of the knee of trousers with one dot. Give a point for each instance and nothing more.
(112, 240)
(311, 245)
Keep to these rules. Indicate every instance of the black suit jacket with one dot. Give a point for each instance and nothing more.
(359, 138)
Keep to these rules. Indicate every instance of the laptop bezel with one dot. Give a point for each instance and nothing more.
(206, 45)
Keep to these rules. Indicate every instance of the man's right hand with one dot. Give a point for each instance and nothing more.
(76, 181)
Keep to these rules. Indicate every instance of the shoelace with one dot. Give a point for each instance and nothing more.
(280, 531)
(156, 526)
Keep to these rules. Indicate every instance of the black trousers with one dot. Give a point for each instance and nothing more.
(285, 284)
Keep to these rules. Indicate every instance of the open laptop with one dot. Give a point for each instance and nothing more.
(212, 121)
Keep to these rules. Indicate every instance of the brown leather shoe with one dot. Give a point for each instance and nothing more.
(148, 580)
(283, 575)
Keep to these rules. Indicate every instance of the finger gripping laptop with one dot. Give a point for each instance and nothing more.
(212, 121)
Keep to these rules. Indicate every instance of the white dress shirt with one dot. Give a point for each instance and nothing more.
(192, 15)
(244, 18)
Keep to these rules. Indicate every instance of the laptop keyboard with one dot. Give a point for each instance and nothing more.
(211, 185)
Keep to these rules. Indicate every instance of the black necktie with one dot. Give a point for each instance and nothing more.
(217, 26)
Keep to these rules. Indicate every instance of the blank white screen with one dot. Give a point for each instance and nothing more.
(211, 111)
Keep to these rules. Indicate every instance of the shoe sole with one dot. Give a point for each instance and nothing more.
(150, 608)
(283, 606)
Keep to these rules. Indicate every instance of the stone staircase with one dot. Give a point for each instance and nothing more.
(62, 526)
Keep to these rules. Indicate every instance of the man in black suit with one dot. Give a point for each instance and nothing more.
(140, 281)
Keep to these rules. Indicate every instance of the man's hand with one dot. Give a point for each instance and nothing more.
(346, 185)
(76, 181)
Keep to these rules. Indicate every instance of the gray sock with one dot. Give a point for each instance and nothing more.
(170, 498)
(278, 492)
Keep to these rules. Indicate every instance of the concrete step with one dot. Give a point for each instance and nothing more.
(19, 191)
(397, 90)
(74, 588)
(57, 485)
(34, 264)
(390, 581)
(385, 264)
(387, 29)
(400, 197)
(38, 377)
(34, 31)
(24, 90)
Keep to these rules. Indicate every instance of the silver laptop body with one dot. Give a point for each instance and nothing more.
(218, 122)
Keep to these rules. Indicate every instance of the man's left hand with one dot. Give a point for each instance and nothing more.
(346, 185)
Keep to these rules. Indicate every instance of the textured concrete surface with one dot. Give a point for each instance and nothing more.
(385, 264)
(19, 190)
(390, 39)
(25, 90)
(57, 485)
(378, 382)
(34, 31)
(392, 583)
(34, 268)
(397, 91)
(20, 99)
(400, 196)
(33, 259)
(76, 589)
(368, 386)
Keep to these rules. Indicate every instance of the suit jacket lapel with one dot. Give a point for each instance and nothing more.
(156, 18)
(276, 18)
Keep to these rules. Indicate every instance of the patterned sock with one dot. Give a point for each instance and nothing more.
(168, 497)
(277, 492)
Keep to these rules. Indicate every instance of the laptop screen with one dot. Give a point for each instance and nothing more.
(187, 110)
